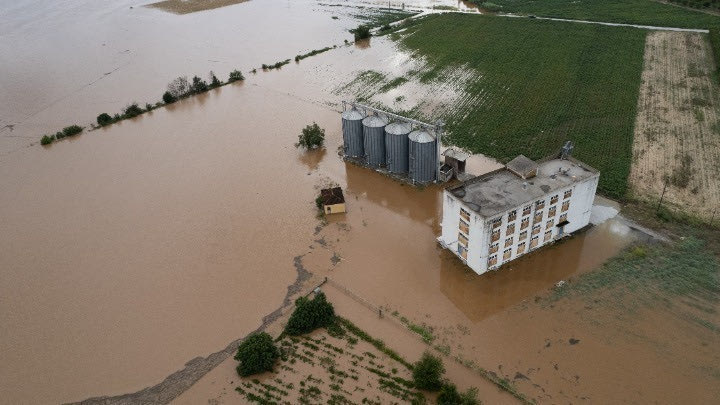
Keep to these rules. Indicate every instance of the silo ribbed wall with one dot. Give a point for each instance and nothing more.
(374, 140)
(352, 129)
(422, 157)
(396, 147)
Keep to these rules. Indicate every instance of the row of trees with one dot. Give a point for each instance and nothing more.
(72, 130)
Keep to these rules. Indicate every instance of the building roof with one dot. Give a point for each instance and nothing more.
(330, 196)
(501, 190)
(456, 154)
(522, 166)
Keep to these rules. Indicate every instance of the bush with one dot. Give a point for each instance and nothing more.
(214, 82)
(199, 85)
(236, 75)
(312, 137)
(72, 130)
(168, 98)
(133, 110)
(427, 372)
(47, 139)
(59, 135)
(449, 395)
(104, 119)
(310, 315)
(256, 354)
(361, 32)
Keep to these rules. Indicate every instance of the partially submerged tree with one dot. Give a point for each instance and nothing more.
(214, 82)
(168, 98)
(104, 119)
(133, 110)
(310, 315)
(427, 372)
(256, 354)
(236, 75)
(312, 137)
(179, 87)
(361, 32)
(199, 85)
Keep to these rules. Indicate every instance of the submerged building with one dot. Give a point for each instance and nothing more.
(495, 218)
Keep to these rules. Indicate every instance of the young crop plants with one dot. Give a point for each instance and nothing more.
(537, 84)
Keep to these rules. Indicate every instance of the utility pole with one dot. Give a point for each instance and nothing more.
(661, 198)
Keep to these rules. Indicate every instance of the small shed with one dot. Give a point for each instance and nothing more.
(454, 159)
(523, 167)
(332, 200)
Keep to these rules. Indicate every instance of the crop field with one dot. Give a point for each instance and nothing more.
(677, 133)
(529, 85)
(645, 12)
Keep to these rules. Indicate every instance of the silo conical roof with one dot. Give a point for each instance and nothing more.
(352, 114)
(421, 136)
(374, 121)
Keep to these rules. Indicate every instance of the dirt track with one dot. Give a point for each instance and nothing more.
(677, 132)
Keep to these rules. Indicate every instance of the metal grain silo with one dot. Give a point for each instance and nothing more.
(422, 156)
(396, 146)
(353, 133)
(374, 140)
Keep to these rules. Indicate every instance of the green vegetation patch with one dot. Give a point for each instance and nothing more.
(538, 83)
(644, 12)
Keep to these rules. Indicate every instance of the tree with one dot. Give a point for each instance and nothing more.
(449, 395)
(312, 137)
(47, 139)
(179, 87)
(310, 315)
(168, 98)
(104, 119)
(427, 372)
(72, 130)
(214, 82)
(236, 75)
(199, 85)
(256, 354)
(361, 32)
(133, 110)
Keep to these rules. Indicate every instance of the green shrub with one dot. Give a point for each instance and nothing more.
(361, 32)
(59, 135)
(47, 139)
(236, 75)
(104, 119)
(168, 98)
(148, 107)
(427, 372)
(214, 82)
(256, 354)
(199, 85)
(133, 110)
(72, 130)
(312, 137)
(449, 395)
(310, 315)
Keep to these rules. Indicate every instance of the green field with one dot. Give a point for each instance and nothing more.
(536, 84)
(646, 12)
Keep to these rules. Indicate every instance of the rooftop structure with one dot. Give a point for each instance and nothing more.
(501, 215)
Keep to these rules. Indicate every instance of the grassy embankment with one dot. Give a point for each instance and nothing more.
(644, 12)
(537, 84)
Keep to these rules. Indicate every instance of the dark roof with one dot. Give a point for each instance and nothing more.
(330, 196)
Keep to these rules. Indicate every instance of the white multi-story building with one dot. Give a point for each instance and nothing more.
(497, 217)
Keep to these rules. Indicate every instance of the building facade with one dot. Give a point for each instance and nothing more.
(495, 218)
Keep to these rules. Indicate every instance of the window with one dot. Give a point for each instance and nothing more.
(492, 260)
(512, 215)
(538, 217)
(554, 199)
(524, 223)
(493, 248)
(563, 218)
(552, 211)
(462, 251)
(539, 204)
(523, 235)
(508, 241)
(464, 227)
(510, 229)
(549, 223)
(496, 222)
(464, 215)
(565, 206)
(526, 210)
(548, 235)
(534, 241)
(495, 235)
(507, 253)
(520, 248)
(536, 229)
(568, 193)
(462, 240)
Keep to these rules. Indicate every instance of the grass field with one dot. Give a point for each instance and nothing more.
(535, 84)
(646, 12)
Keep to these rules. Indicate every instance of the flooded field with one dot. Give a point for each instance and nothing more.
(130, 250)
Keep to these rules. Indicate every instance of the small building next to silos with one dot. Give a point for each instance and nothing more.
(332, 200)
(352, 129)
(374, 139)
(396, 146)
(422, 156)
(497, 217)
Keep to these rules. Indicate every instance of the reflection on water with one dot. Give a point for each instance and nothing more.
(311, 158)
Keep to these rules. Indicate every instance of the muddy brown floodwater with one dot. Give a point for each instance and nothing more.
(128, 251)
